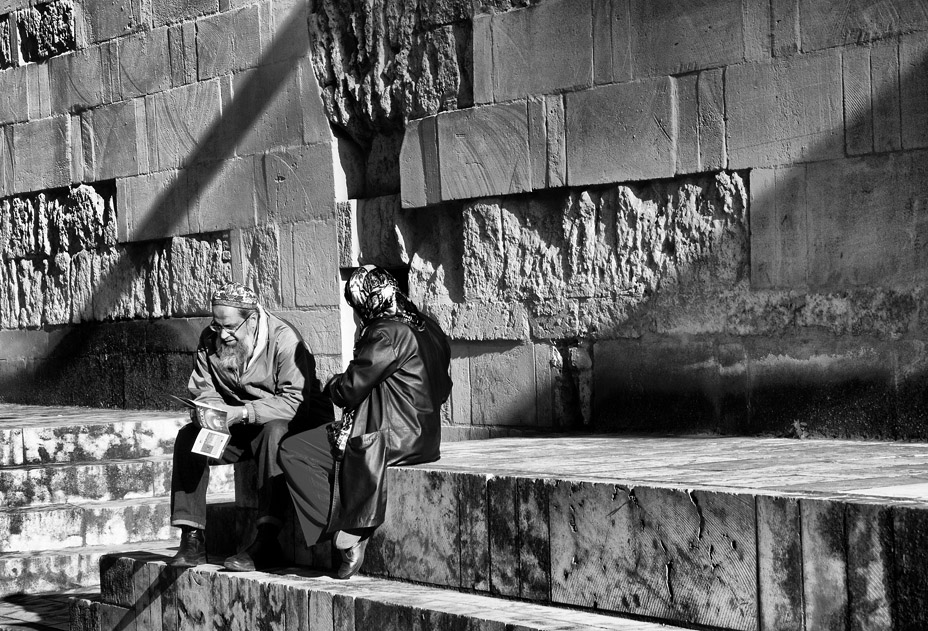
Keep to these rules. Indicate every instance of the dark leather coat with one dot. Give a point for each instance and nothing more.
(396, 384)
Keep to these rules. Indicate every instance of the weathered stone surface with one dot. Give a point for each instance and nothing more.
(45, 30)
(42, 529)
(779, 564)
(687, 556)
(620, 132)
(525, 63)
(144, 65)
(156, 206)
(779, 228)
(6, 160)
(7, 57)
(266, 110)
(824, 564)
(784, 18)
(41, 154)
(505, 374)
(315, 266)
(484, 151)
(913, 51)
(420, 171)
(911, 579)
(172, 11)
(78, 79)
(534, 539)
(179, 125)
(114, 141)
(788, 110)
(13, 96)
(612, 56)
(858, 116)
(197, 268)
(300, 184)
(869, 566)
(826, 25)
(667, 38)
(319, 328)
(228, 41)
(884, 64)
(216, 185)
(106, 19)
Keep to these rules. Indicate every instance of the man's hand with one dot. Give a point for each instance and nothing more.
(234, 414)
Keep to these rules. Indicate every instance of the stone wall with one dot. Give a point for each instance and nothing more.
(149, 151)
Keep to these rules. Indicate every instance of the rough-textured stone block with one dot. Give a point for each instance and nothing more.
(534, 539)
(537, 143)
(913, 55)
(45, 30)
(784, 18)
(858, 118)
(757, 30)
(556, 139)
(300, 183)
(84, 615)
(612, 51)
(114, 617)
(225, 194)
(41, 529)
(858, 232)
(620, 132)
(884, 64)
(786, 111)
(315, 263)
(503, 525)
(824, 564)
(113, 139)
(41, 154)
(155, 206)
(779, 228)
(77, 79)
(484, 151)
(172, 11)
(779, 564)
(144, 64)
(669, 38)
(687, 556)
(420, 172)
(870, 566)
(524, 60)
(418, 540)
(180, 125)
(228, 41)
(827, 24)
(195, 599)
(108, 19)
(503, 378)
(910, 558)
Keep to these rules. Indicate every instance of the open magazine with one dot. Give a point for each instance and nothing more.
(214, 435)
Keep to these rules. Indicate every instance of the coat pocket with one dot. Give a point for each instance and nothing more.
(359, 496)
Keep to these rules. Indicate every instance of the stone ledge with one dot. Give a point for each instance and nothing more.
(151, 596)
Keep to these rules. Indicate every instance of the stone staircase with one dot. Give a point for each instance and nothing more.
(592, 532)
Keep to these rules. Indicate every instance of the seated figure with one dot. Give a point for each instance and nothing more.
(255, 367)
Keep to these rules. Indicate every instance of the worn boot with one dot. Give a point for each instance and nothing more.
(192, 550)
(263, 553)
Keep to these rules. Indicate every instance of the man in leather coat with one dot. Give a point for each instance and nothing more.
(392, 392)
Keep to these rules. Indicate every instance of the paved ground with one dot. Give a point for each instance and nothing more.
(40, 612)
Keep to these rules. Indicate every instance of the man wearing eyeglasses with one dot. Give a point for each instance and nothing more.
(256, 368)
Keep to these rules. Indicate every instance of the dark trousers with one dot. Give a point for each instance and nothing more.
(190, 477)
(306, 459)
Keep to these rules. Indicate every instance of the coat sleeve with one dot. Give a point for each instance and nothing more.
(375, 359)
(292, 363)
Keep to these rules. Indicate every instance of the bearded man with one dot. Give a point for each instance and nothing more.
(256, 368)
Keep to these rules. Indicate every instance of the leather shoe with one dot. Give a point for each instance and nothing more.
(263, 553)
(352, 559)
(192, 549)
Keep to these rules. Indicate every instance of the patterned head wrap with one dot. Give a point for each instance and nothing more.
(373, 293)
(235, 295)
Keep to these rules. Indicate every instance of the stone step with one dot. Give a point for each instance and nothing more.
(729, 533)
(66, 483)
(41, 435)
(62, 526)
(141, 592)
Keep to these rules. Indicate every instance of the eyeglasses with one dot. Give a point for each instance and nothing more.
(215, 327)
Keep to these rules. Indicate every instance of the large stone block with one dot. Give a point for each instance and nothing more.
(172, 11)
(300, 184)
(666, 553)
(913, 59)
(114, 141)
(620, 132)
(503, 385)
(825, 24)
(156, 206)
(284, 34)
(180, 125)
(420, 171)
(884, 64)
(784, 18)
(779, 228)
(870, 566)
(858, 116)
(41, 154)
(612, 51)
(265, 111)
(484, 151)
(669, 38)
(228, 41)
(655, 387)
(779, 564)
(315, 263)
(197, 268)
(6, 160)
(788, 110)
(319, 328)
(42, 529)
(556, 139)
(106, 19)
(183, 52)
(824, 564)
(526, 57)
(78, 79)
(144, 64)
(910, 528)
(858, 230)
(45, 30)
(226, 194)
(13, 96)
